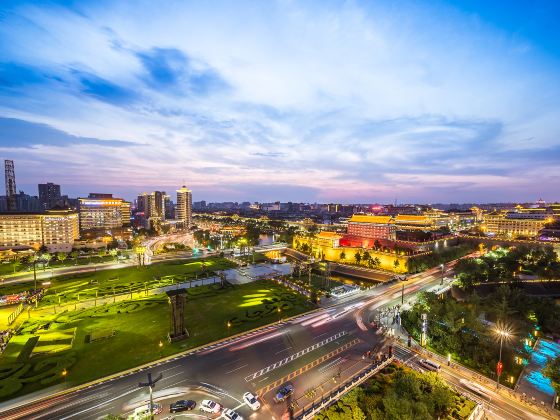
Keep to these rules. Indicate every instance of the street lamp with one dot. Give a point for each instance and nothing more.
(502, 333)
(151, 384)
(442, 266)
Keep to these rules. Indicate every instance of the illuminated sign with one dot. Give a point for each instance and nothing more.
(101, 202)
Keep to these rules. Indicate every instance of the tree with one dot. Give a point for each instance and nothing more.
(113, 252)
(552, 372)
(102, 252)
(396, 264)
(342, 256)
(366, 258)
(74, 254)
(358, 257)
(377, 244)
(61, 256)
(375, 262)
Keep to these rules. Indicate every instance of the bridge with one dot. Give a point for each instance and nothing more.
(278, 246)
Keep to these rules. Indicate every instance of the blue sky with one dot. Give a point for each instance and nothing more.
(345, 101)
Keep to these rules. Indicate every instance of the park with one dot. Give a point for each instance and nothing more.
(94, 324)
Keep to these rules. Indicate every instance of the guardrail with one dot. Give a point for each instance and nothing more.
(326, 400)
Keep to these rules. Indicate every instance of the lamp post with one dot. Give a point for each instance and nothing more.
(442, 266)
(502, 334)
(150, 384)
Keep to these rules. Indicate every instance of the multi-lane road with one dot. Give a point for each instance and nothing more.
(314, 352)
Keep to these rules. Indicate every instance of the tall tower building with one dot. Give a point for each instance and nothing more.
(184, 206)
(49, 194)
(10, 177)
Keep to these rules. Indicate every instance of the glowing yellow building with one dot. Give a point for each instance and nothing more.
(513, 225)
(56, 229)
(326, 245)
(103, 211)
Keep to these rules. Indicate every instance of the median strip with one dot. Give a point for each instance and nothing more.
(294, 356)
(307, 367)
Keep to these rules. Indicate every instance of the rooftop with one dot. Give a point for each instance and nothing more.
(363, 218)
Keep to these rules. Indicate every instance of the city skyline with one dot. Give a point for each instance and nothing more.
(304, 102)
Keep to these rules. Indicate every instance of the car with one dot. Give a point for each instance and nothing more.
(252, 401)
(283, 392)
(144, 411)
(210, 406)
(231, 415)
(182, 405)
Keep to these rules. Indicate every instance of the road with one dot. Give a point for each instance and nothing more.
(312, 351)
(337, 336)
(498, 405)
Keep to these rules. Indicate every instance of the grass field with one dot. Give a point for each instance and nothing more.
(70, 288)
(113, 337)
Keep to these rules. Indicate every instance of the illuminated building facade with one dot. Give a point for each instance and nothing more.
(103, 211)
(56, 229)
(184, 206)
(372, 227)
(515, 224)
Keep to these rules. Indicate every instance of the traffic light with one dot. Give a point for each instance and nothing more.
(499, 368)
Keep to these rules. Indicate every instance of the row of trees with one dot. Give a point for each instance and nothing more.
(507, 264)
(397, 393)
(462, 328)
(47, 258)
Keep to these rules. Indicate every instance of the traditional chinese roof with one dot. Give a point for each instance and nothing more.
(328, 235)
(362, 218)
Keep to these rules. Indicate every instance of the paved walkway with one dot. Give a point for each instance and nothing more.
(242, 275)
(533, 383)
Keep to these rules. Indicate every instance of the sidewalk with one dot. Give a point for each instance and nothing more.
(91, 303)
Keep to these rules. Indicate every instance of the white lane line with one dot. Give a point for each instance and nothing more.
(286, 349)
(98, 405)
(317, 336)
(172, 376)
(263, 379)
(232, 363)
(236, 369)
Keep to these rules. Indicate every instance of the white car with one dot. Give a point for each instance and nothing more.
(210, 406)
(252, 401)
(229, 414)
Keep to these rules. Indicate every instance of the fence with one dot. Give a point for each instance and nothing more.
(13, 316)
(307, 412)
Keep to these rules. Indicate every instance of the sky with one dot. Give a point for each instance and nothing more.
(312, 101)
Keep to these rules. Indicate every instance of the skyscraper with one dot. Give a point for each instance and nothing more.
(49, 194)
(151, 208)
(184, 206)
(10, 177)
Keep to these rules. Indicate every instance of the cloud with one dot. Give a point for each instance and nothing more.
(16, 133)
(340, 101)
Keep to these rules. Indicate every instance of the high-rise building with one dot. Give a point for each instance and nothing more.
(169, 207)
(27, 203)
(103, 211)
(150, 207)
(49, 195)
(56, 229)
(184, 206)
(10, 178)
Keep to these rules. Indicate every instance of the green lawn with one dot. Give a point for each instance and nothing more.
(68, 288)
(127, 334)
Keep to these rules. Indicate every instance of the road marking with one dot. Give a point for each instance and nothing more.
(286, 349)
(263, 379)
(236, 369)
(321, 335)
(331, 364)
(294, 356)
(307, 367)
